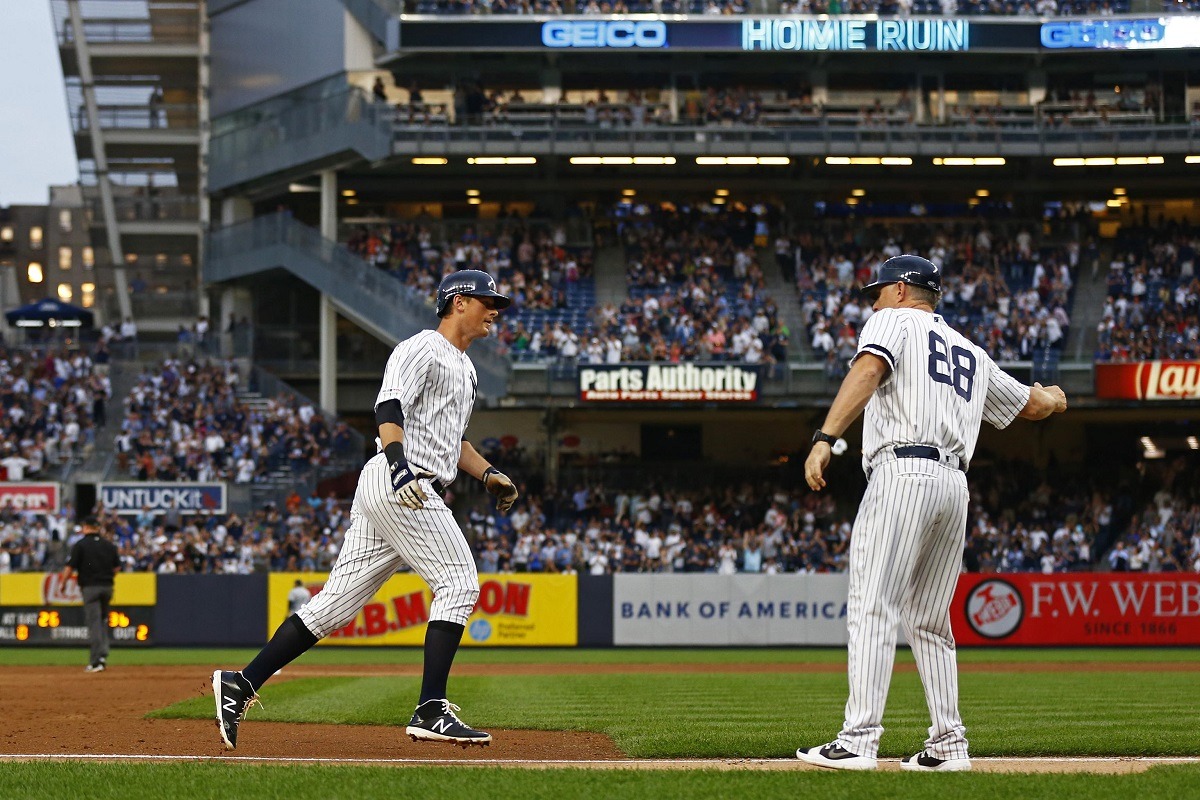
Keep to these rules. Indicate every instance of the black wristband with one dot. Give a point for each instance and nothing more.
(394, 452)
(487, 472)
(822, 436)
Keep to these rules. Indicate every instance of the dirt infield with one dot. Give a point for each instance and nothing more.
(61, 712)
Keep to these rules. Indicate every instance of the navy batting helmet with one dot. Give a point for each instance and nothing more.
(471, 282)
(909, 269)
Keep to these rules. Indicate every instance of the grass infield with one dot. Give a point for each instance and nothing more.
(1124, 710)
(35, 781)
(757, 715)
(60, 656)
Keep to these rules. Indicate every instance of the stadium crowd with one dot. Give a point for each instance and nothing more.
(1041, 8)
(51, 401)
(531, 263)
(771, 529)
(184, 421)
(1152, 309)
(1001, 287)
(303, 534)
(1165, 535)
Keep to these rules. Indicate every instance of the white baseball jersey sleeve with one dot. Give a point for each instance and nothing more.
(436, 385)
(941, 385)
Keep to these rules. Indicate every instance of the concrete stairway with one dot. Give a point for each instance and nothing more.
(611, 286)
(788, 301)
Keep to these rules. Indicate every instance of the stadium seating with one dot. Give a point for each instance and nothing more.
(1152, 309)
(49, 398)
(803, 7)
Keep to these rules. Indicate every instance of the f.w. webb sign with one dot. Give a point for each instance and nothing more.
(657, 383)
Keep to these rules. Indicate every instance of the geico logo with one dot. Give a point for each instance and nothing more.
(1115, 35)
(604, 33)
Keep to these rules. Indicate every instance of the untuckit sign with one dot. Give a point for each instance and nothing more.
(189, 498)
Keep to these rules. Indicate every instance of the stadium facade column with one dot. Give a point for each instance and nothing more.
(328, 331)
(820, 86)
(100, 156)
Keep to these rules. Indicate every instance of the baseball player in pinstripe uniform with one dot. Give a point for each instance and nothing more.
(926, 390)
(398, 516)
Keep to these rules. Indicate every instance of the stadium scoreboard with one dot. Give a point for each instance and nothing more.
(65, 625)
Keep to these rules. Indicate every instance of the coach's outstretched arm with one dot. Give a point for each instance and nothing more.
(865, 375)
(1043, 401)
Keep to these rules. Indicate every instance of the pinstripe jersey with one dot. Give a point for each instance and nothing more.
(436, 385)
(940, 386)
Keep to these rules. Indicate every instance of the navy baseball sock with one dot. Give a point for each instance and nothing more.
(441, 643)
(290, 641)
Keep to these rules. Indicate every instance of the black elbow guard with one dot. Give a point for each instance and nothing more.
(389, 411)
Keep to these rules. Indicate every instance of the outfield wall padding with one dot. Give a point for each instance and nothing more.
(216, 610)
(595, 610)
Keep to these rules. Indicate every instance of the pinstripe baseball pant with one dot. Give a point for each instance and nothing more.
(905, 554)
(384, 534)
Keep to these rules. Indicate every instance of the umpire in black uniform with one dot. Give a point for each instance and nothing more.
(95, 560)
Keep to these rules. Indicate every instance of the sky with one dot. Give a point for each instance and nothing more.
(36, 149)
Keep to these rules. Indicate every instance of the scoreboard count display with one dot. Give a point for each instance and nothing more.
(65, 625)
(40, 608)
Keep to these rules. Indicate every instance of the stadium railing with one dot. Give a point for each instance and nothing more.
(818, 138)
(300, 137)
(371, 297)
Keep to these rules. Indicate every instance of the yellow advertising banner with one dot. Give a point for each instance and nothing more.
(48, 588)
(513, 610)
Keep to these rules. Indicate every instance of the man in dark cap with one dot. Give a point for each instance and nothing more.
(94, 560)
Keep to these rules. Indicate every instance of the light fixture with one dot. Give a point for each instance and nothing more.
(718, 201)
(982, 193)
(851, 201)
(351, 201)
(1109, 161)
(298, 188)
(622, 161)
(1113, 203)
(1192, 160)
(858, 192)
(501, 161)
(628, 192)
(967, 161)
(1193, 442)
(348, 193)
(474, 201)
(721, 193)
(472, 193)
(1118, 192)
(743, 161)
(430, 161)
(868, 161)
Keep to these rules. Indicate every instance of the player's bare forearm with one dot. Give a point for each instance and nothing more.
(862, 381)
(470, 462)
(1043, 401)
(390, 432)
(856, 390)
